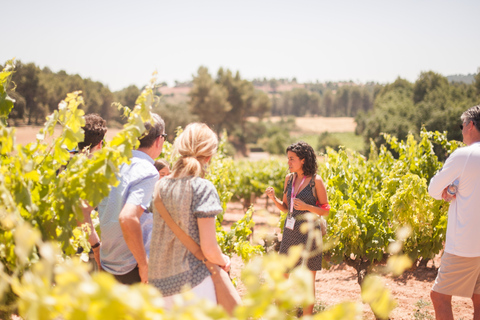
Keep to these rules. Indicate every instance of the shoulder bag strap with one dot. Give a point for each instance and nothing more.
(290, 178)
(312, 185)
(187, 241)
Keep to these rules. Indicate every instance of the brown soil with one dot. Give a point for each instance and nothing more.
(339, 283)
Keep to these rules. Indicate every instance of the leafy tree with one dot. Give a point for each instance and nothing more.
(356, 101)
(274, 85)
(261, 104)
(342, 102)
(38, 92)
(393, 113)
(128, 95)
(175, 116)
(428, 85)
(326, 140)
(477, 81)
(209, 100)
(402, 107)
(26, 79)
(328, 100)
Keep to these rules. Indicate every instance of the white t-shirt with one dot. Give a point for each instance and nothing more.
(463, 228)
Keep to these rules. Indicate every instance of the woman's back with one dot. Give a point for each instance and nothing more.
(171, 265)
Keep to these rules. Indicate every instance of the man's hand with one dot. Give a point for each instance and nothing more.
(228, 263)
(132, 233)
(300, 205)
(270, 192)
(143, 271)
(447, 196)
(96, 255)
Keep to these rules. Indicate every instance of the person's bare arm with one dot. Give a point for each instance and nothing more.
(322, 199)
(281, 205)
(93, 238)
(209, 244)
(132, 233)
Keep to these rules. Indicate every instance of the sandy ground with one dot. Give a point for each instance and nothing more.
(27, 134)
(339, 283)
(320, 124)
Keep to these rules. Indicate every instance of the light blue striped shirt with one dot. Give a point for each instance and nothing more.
(137, 181)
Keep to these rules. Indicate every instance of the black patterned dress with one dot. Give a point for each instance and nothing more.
(295, 236)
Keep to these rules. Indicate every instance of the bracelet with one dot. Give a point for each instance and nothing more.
(96, 245)
(325, 206)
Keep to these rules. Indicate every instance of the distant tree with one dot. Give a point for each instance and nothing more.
(261, 104)
(328, 103)
(209, 101)
(241, 96)
(18, 112)
(28, 86)
(274, 85)
(367, 101)
(427, 83)
(356, 101)
(342, 102)
(402, 107)
(393, 113)
(327, 140)
(175, 115)
(477, 81)
(127, 96)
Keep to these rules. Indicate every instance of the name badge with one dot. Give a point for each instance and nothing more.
(290, 223)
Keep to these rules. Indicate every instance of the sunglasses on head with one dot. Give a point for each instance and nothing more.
(461, 126)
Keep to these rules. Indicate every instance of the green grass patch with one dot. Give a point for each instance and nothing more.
(348, 139)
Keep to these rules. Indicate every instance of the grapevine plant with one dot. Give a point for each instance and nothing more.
(41, 185)
(373, 198)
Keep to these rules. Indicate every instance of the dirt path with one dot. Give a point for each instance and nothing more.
(339, 283)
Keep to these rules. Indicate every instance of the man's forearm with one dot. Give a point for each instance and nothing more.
(132, 233)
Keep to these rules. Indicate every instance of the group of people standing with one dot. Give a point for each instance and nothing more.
(138, 246)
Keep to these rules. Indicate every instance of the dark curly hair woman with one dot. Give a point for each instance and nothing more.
(304, 192)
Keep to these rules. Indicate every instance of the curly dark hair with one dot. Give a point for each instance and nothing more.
(95, 129)
(304, 151)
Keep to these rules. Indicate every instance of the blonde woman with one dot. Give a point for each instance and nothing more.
(193, 203)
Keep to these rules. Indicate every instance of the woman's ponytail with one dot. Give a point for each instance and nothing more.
(196, 144)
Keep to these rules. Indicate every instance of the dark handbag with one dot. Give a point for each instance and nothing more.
(227, 295)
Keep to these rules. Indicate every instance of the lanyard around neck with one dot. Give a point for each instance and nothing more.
(293, 195)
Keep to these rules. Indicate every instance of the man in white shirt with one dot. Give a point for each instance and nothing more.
(459, 273)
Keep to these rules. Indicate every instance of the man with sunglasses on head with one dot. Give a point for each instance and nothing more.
(459, 273)
(123, 252)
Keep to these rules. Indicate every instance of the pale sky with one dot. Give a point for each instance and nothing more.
(122, 42)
